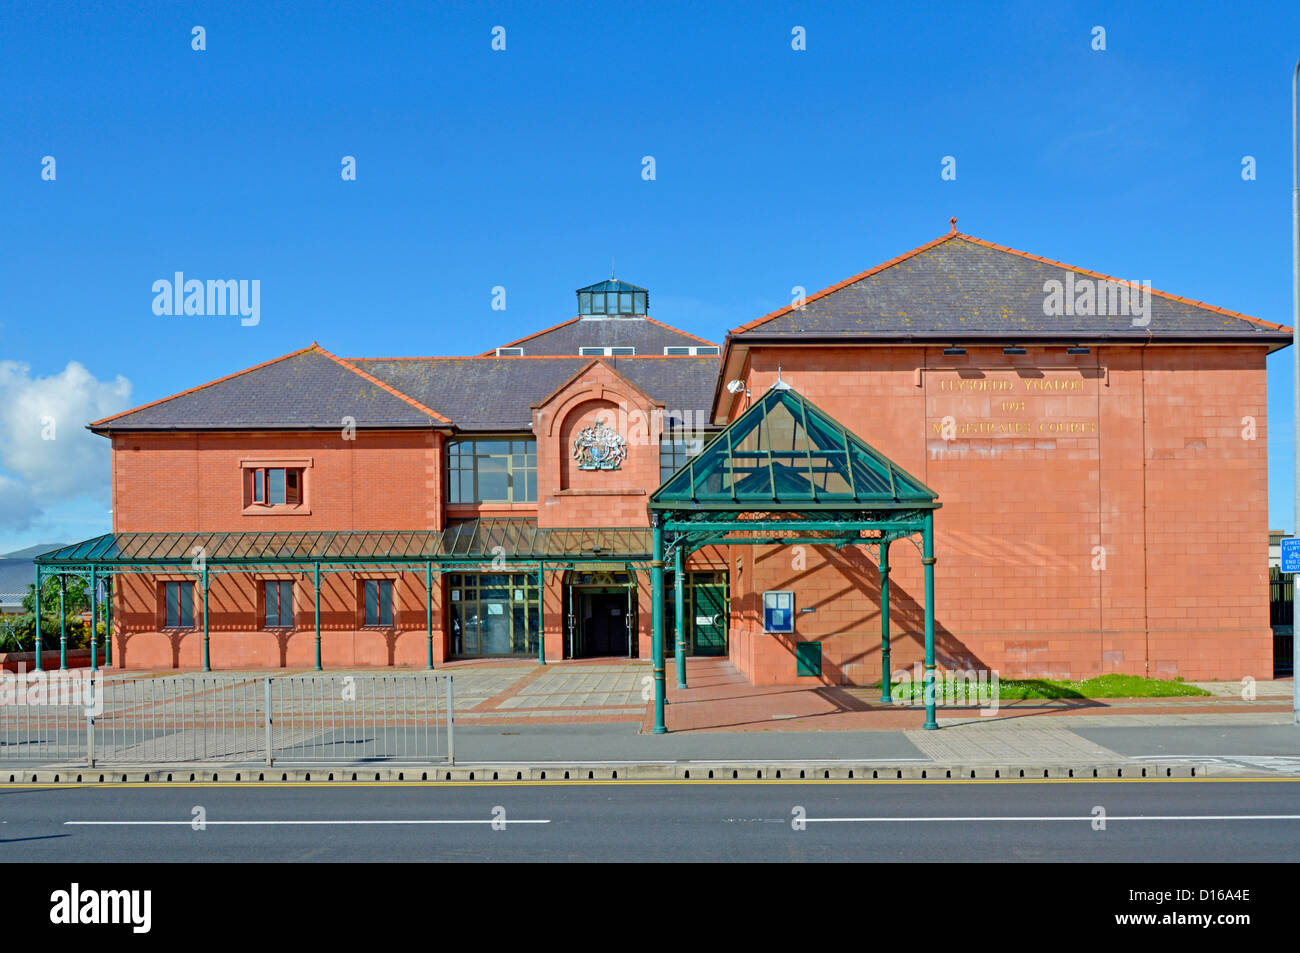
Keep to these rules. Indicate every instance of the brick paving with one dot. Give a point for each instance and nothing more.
(507, 693)
(975, 743)
(720, 699)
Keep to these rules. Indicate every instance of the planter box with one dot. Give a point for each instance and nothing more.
(26, 661)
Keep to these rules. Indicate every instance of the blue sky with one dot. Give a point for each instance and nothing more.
(522, 168)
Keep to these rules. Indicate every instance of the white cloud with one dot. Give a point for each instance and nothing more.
(47, 455)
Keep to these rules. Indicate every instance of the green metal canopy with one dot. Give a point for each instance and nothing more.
(461, 546)
(785, 472)
(784, 453)
(513, 540)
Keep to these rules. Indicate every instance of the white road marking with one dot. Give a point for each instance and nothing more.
(1286, 764)
(763, 762)
(1069, 817)
(503, 821)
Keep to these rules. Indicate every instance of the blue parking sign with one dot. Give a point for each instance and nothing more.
(1291, 555)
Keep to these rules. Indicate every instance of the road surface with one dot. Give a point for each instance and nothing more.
(1219, 820)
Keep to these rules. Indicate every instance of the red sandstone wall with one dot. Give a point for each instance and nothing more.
(1156, 471)
(1143, 455)
(237, 639)
(568, 496)
(187, 482)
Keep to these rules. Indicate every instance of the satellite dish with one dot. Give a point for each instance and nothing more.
(735, 387)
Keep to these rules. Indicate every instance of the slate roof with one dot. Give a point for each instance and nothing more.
(959, 288)
(495, 394)
(309, 389)
(955, 289)
(645, 334)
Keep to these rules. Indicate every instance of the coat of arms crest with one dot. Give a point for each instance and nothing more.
(599, 448)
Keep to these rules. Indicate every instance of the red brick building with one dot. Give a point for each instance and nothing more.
(1098, 450)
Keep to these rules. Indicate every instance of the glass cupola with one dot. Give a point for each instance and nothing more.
(612, 298)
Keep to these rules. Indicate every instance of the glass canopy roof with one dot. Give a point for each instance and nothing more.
(784, 453)
(613, 297)
(517, 539)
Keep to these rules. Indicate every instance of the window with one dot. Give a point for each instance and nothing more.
(178, 605)
(492, 470)
(493, 613)
(378, 596)
(606, 351)
(279, 603)
(612, 302)
(276, 486)
(700, 349)
(510, 352)
(677, 446)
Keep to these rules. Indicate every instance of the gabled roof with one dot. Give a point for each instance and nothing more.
(647, 335)
(494, 394)
(309, 389)
(583, 370)
(959, 288)
(784, 453)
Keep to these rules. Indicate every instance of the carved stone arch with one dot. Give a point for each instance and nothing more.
(577, 417)
(597, 390)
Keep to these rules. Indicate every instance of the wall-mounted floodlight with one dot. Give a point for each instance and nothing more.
(1077, 349)
(953, 351)
(735, 387)
(1014, 350)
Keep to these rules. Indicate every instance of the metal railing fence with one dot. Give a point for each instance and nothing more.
(318, 718)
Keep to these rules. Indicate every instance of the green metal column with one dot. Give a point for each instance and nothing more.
(428, 607)
(927, 557)
(627, 618)
(63, 623)
(316, 578)
(573, 649)
(39, 646)
(884, 624)
(94, 617)
(679, 610)
(108, 623)
(207, 656)
(541, 615)
(657, 623)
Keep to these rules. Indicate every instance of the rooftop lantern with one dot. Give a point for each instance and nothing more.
(612, 298)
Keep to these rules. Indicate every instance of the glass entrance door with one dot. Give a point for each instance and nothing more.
(602, 616)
